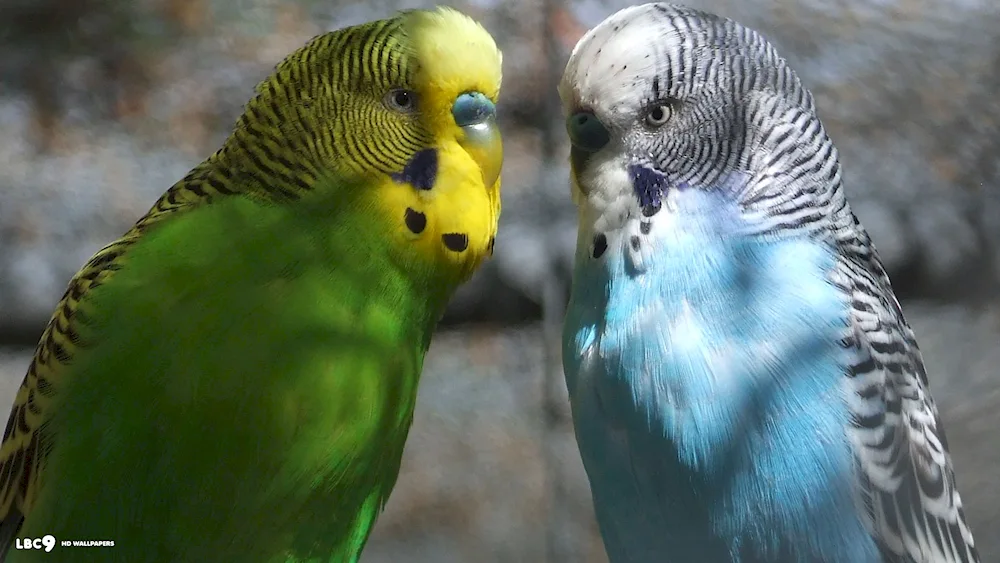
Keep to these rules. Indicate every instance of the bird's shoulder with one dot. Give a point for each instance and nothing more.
(26, 443)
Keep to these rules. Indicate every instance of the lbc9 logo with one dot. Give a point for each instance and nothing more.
(46, 542)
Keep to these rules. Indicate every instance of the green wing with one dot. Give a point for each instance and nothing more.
(26, 440)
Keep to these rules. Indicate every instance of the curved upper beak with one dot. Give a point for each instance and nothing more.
(586, 132)
(587, 135)
(476, 115)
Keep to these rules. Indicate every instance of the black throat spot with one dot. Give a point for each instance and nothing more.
(456, 242)
(421, 171)
(649, 186)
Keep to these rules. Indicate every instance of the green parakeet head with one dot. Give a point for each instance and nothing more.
(397, 117)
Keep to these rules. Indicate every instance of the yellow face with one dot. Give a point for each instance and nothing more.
(401, 114)
(446, 198)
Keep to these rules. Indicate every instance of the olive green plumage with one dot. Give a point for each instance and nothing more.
(234, 378)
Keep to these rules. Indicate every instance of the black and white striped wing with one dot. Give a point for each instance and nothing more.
(907, 483)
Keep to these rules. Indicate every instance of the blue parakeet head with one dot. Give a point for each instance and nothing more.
(661, 95)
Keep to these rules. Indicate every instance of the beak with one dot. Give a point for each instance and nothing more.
(587, 135)
(586, 132)
(477, 116)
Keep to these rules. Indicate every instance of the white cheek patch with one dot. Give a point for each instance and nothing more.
(608, 200)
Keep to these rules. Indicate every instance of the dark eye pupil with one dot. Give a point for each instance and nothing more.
(657, 114)
(402, 98)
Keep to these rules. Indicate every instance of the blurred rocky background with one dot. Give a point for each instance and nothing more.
(105, 103)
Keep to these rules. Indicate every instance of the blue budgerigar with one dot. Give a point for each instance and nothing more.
(743, 383)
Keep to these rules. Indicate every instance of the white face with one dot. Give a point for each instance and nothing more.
(612, 72)
(660, 98)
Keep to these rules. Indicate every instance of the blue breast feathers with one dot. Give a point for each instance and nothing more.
(706, 373)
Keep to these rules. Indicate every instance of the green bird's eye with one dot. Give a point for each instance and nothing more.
(401, 100)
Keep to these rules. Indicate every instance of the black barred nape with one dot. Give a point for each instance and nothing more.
(742, 56)
(759, 117)
(316, 115)
(321, 113)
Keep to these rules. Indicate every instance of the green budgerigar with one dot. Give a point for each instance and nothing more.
(233, 380)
